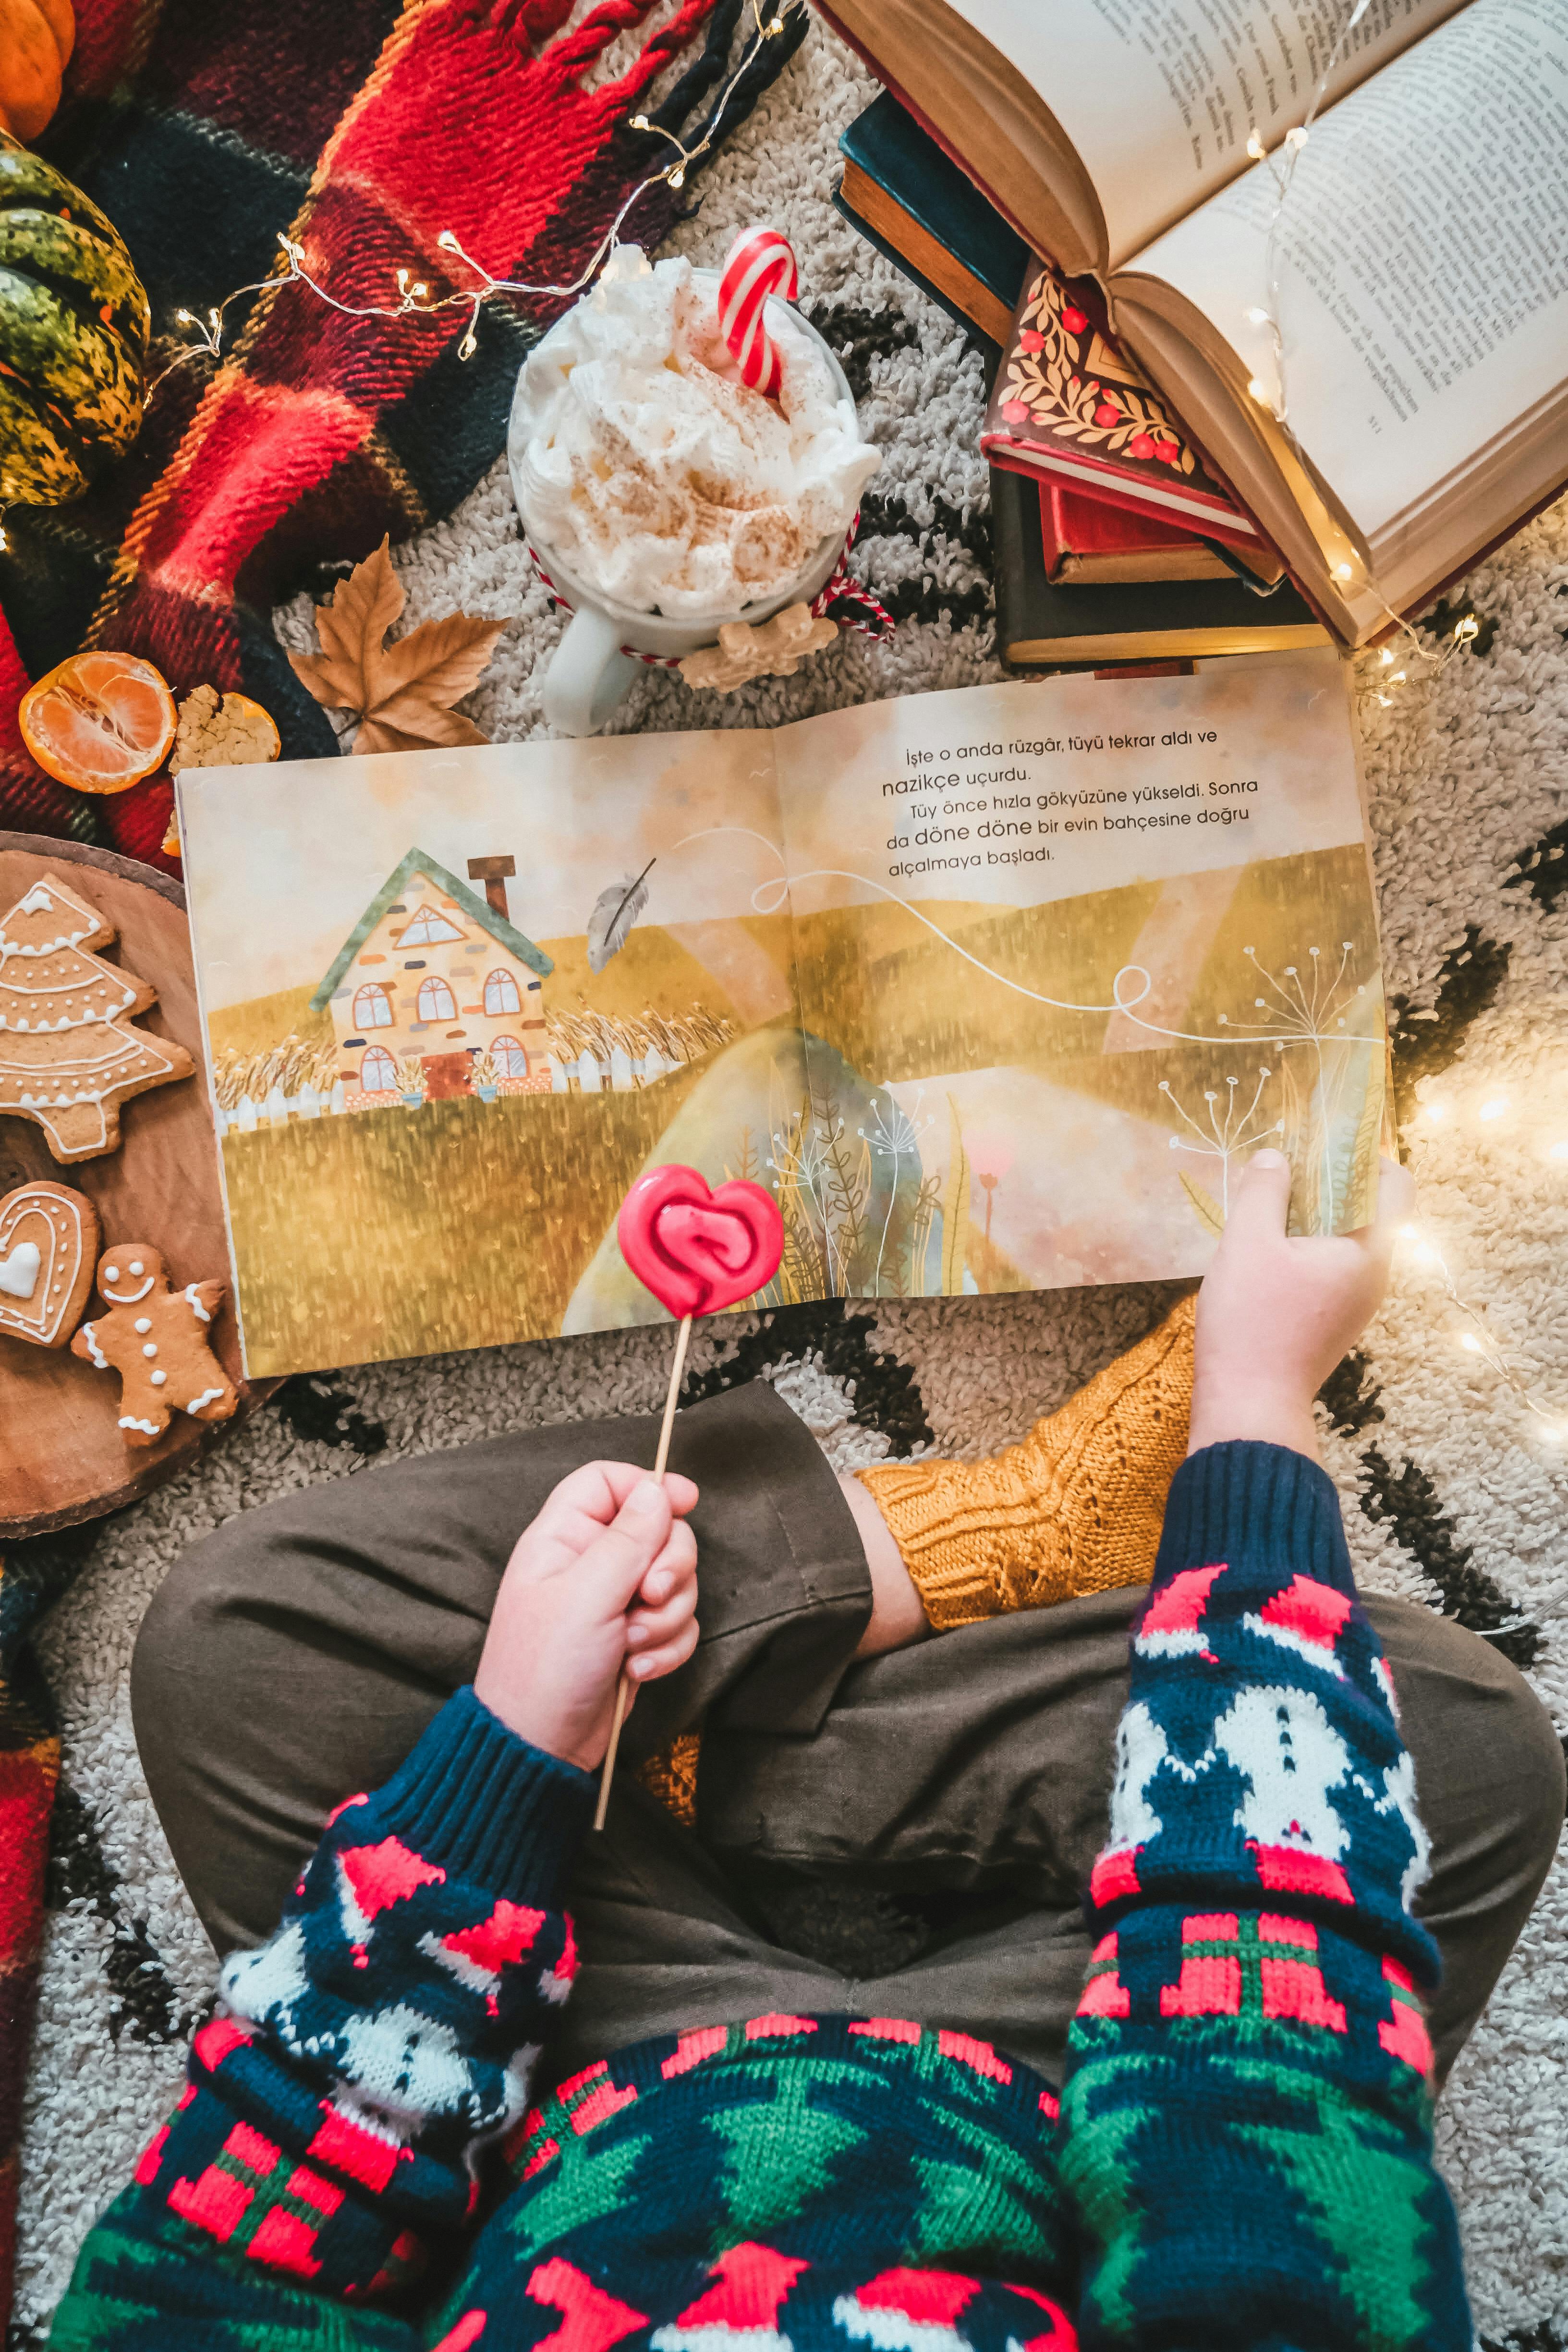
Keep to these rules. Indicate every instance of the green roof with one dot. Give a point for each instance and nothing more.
(477, 909)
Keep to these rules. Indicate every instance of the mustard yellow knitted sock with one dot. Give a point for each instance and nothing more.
(1077, 1507)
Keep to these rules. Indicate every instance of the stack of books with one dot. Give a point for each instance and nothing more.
(1095, 192)
(1114, 542)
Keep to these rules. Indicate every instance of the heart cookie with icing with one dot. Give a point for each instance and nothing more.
(48, 1248)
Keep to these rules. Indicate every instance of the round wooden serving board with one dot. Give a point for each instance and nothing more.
(62, 1458)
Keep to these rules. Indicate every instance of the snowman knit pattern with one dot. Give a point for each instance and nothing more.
(1241, 2158)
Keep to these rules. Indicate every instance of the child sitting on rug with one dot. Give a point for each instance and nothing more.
(497, 2081)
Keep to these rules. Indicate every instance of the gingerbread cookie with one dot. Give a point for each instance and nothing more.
(155, 1338)
(69, 1052)
(48, 1241)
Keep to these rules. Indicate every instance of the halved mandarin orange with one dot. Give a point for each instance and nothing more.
(100, 722)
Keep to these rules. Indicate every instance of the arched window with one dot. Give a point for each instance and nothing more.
(378, 1072)
(510, 1058)
(435, 1000)
(372, 1007)
(500, 994)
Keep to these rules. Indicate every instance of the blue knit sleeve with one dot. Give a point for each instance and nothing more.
(1245, 2130)
(337, 2104)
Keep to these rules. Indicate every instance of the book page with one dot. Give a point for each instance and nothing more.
(1068, 952)
(1423, 267)
(1159, 96)
(433, 1084)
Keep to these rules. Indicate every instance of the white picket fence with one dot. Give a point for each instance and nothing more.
(279, 1108)
(622, 1074)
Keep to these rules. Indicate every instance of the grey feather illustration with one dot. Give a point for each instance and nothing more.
(615, 912)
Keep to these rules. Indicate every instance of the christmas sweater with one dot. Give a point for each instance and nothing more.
(1240, 2160)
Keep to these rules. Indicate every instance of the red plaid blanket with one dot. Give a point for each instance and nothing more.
(204, 127)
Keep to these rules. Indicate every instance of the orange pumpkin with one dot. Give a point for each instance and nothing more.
(36, 38)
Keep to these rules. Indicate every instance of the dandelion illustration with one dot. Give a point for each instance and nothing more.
(1223, 1131)
(894, 1135)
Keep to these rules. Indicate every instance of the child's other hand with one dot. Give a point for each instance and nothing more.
(606, 1575)
(1275, 1316)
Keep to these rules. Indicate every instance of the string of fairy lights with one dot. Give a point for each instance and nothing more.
(1473, 1334)
(1395, 669)
(415, 298)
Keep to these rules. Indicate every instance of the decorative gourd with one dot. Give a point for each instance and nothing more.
(36, 38)
(73, 334)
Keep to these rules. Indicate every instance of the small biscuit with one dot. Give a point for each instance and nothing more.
(155, 1338)
(48, 1241)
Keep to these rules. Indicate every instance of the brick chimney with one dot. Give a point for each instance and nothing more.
(494, 873)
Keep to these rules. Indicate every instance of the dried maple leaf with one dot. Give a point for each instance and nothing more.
(403, 691)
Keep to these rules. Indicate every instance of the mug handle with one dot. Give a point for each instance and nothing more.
(587, 677)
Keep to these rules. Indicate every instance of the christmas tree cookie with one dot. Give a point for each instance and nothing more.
(70, 1052)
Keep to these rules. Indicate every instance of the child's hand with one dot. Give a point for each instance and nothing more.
(1275, 1316)
(564, 1623)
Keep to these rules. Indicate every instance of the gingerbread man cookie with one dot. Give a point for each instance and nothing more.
(155, 1338)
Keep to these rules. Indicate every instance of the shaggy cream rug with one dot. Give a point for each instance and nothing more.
(1450, 1494)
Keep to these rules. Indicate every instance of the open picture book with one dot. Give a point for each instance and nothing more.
(994, 990)
(1417, 271)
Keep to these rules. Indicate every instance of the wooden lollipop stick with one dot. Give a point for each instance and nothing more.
(622, 1688)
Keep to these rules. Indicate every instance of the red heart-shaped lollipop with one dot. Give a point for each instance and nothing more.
(698, 1251)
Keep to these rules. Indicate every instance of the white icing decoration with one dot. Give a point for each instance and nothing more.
(198, 1309)
(19, 1271)
(36, 902)
(158, 1378)
(149, 1347)
(129, 1421)
(93, 1349)
(143, 1323)
(137, 1266)
(111, 1274)
(206, 1397)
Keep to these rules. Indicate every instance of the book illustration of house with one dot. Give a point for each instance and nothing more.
(435, 975)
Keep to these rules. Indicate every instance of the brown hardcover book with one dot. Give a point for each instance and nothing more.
(1416, 284)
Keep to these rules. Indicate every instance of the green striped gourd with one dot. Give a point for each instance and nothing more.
(73, 335)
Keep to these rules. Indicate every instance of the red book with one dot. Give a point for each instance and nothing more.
(1087, 540)
(1068, 403)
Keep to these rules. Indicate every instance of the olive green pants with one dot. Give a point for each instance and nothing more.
(295, 1655)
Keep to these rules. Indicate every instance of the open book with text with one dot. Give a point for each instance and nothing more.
(1417, 271)
(994, 989)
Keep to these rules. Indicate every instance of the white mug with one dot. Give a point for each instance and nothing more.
(596, 660)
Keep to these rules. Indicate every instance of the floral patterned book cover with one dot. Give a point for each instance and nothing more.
(1068, 401)
(994, 990)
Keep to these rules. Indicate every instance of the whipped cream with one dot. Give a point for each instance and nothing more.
(663, 481)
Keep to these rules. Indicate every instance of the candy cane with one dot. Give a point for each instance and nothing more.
(760, 262)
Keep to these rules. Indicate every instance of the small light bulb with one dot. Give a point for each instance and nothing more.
(5, 542)
(639, 122)
(1386, 657)
(678, 178)
(1494, 1108)
(420, 291)
(1437, 1112)
(1299, 137)
(1258, 317)
(1559, 1151)
(447, 242)
(1470, 1344)
(1258, 390)
(1254, 147)
(184, 318)
(1344, 571)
